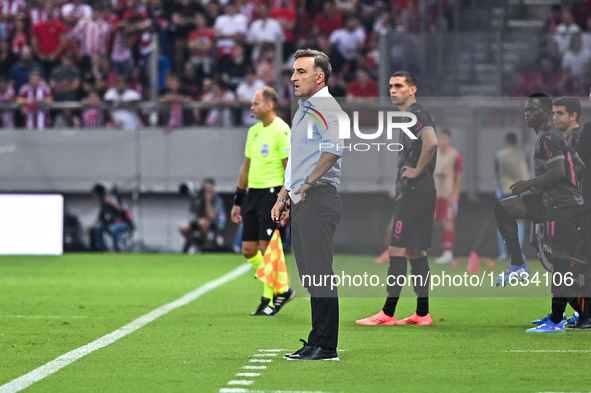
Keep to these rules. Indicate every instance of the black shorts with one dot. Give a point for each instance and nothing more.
(561, 225)
(412, 223)
(256, 214)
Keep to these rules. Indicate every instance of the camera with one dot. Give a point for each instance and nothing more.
(189, 189)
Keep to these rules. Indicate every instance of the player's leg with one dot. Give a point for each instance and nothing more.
(507, 212)
(251, 249)
(385, 256)
(416, 253)
(313, 225)
(444, 217)
(419, 276)
(561, 228)
(279, 293)
(402, 228)
(584, 300)
(395, 280)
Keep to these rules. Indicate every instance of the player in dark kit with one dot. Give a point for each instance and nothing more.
(565, 116)
(555, 200)
(414, 207)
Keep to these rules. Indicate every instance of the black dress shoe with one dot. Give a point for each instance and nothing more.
(581, 324)
(299, 351)
(315, 353)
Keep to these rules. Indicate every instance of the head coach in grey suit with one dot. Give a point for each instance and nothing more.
(311, 178)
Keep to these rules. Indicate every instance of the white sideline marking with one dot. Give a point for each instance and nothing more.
(55, 365)
(248, 374)
(264, 354)
(549, 350)
(272, 350)
(240, 382)
(257, 361)
(254, 367)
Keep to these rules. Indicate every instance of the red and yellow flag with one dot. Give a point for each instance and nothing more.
(273, 272)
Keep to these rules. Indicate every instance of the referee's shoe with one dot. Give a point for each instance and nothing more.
(265, 309)
(283, 298)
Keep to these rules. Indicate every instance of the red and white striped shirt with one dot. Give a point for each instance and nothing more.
(93, 36)
(38, 14)
(91, 118)
(13, 7)
(36, 118)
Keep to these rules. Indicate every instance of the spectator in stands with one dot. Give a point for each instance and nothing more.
(48, 40)
(7, 95)
(7, 58)
(565, 30)
(191, 81)
(304, 28)
(10, 10)
(181, 24)
(164, 68)
(555, 18)
(233, 68)
(348, 42)
(230, 28)
(285, 100)
(575, 64)
(19, 36)
(65, 80)
(36, 12)
(586, 35)
(32, 96)
(284, 13)
(75, 11)
(337, 86)
(209, 215)
(362, 85)
(20, 71)
(249, 8)
(67, 118)
(322, 44)
(245, 92)
(216, 93)
(265, 65)
(175, 96)
(200, 43)
(264, 30)
(93, 36)
(121, 53)
(327, 21)
(213, 10)
(370, 10)
(543, 77)
(100, 77)
(347, 7)
(122, 100)
(92, 115)
(136, 81)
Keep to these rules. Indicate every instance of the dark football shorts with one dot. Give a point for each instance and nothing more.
(256, 214)
(412, 222)
(561, 225)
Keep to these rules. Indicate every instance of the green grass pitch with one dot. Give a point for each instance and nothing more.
(52, 305)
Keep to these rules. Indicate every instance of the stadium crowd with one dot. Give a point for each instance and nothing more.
(211, 51)
(564, 55)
